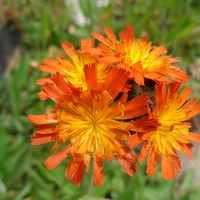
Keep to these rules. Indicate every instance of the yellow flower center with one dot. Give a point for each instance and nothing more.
(74, 70)
(171, 133)
(151, 58)
(90, 125)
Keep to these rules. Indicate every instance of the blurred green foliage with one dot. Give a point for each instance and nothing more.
(173, 23)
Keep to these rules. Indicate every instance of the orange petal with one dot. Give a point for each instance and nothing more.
(42, 138)
(144, 125)
(152, 162)
(44, 118)
(43, 81)
(130, 32)
(137, 139)
(136, 107)
(156, 77)
(177, 163)
(128, 162)
(45, 128)
(178, 76)
(57, 144)
(50, 66)
(111, 36)
(78, 176)
(138, 77)
(95, 51)
(100, 38)
(186, 92)
(43, 95)
(123, 36)
(86, 159)
(75, 171)
(115, 81)
(193, 107)
(144, 151)
(109, 59)
(168, 167)
(57, 158)
(73, 165)
(173, 90)
(69, 49)
(85, 43)
(193, 137)
(98, 172)
(52, 92)
(61, 84)
(160, 94)
(187, 150)
(91, 75)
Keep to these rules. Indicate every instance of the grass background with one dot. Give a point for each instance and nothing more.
(44, 26)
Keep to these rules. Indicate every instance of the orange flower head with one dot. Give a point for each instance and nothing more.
(172, 133)
(91, 121)
(72, 70)
(139, 57)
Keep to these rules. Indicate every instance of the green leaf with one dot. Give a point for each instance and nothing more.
(22, 74)
(128, 193)
(76, 196)
(45, 25)
(18, 158)
(37, 181)
(188, 180)
(23, 192)
(48, 175)
(15, 97)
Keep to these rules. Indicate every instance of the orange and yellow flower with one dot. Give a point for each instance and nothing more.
(73, 70)
(138, 56)
(93, 123)
(96, 112)
(172, 134)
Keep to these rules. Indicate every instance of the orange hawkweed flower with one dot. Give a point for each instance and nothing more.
(139, 57)
(172, 133)
(72, 70)
(91, 121)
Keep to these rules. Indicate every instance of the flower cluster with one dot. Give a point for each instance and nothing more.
(111, 98)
